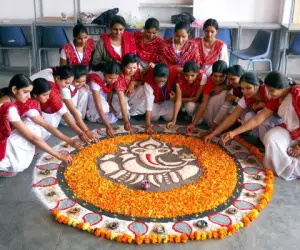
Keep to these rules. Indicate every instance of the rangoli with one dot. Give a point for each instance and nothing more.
(168, 187)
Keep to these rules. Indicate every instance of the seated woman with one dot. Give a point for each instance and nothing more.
(113, 46)
(234, 74)
(190, 86)
(210, 48)
(129, 99)
(77, 91)
(213, 98)
(17, 139)
(159, 84)
(255, 96)
(99, 104)
(32, 109)
(54, 109)
(282, 153)
(178, 50)
(148, 43)
(80, 50)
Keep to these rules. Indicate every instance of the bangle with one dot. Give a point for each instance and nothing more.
(86, 130)
(298, 146)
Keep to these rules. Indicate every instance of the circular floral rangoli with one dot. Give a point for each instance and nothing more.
(168, 187)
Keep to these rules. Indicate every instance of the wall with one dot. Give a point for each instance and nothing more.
(227, 10)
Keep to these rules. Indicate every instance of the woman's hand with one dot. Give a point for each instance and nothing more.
(219, 89)
(190, 128)
(82, 136)
(109, 131)
(228, 136)
(207, 139)
(171, 124)
(130, 88)
(148, 129)
(75, 144)
(92, 136)
(65, 158)
(127, 126)
(172, 96)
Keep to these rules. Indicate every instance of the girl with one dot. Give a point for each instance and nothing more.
(32, 109)
(213, 96)
(281, 142)
(255, 96)
(99, 104)
(210, 48)
(54, 109)
(148, 43)
(129, 99)
(113, 46)
(159, 83)
(234, 74)
(178, 50)
(18, 140)
(80, 50)
(191, 83)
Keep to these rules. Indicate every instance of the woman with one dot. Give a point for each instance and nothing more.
(129, 99)
(80, 50)
(32, 109)
(159, 84)
(255, 97)
(214, 94)
(54, 109)
(191, 83)
(178, 50)
(99, 103)
(113, 46)
(18, 140)
(210, 48)
(282, 144)
(234, 74)
(148, 43)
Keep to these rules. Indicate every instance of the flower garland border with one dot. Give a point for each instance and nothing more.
(220, 233)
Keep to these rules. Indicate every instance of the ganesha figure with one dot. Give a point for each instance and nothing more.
(150, 160)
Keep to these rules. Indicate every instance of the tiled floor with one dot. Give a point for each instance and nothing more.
(26, 224)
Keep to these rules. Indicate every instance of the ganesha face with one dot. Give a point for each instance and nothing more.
(150, 160)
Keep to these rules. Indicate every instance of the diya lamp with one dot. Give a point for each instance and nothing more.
(145, 185)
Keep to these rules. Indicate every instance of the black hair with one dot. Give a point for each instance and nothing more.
(182, 25)
(19, 81)
(79, 71)
(118, 20)
(40, 86)
(236, 70)
(211, 22)
(250, 78)
(190, 66)
(130, 58)
(64, 72)
(220, 67)
(78, 29)
(112, 67)
(161, 70)
(277, 80)
(152, 23)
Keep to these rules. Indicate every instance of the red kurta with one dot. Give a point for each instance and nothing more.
(72, 53)
(54, 103)
(189, 52)
(93, 77)
(189, 90)
(28, 105)
(128, 45)
(122, 83)
(263, 96)
(5, 127)
(147, 52)
(213, 54)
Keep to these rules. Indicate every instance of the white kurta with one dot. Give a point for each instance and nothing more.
(92, 113)
(278, 140)
(135, 103)
(19, 151)
(164, 109)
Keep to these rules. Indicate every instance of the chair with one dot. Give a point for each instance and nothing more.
(131, 30)
(14, 38)
(258, 51)
(292, 52)
(225, 36)
(168, 33)
(51, 37)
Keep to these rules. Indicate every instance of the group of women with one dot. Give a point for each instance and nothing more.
(133, 74)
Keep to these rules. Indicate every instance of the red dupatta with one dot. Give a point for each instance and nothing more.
(5, 127)
(189, 52)
(128, 45)
(187, 89)
(147, 52)
(28, 105)
(213, 54)
(54, 103)
(72, 56)
(263, 96)
(93, 77)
